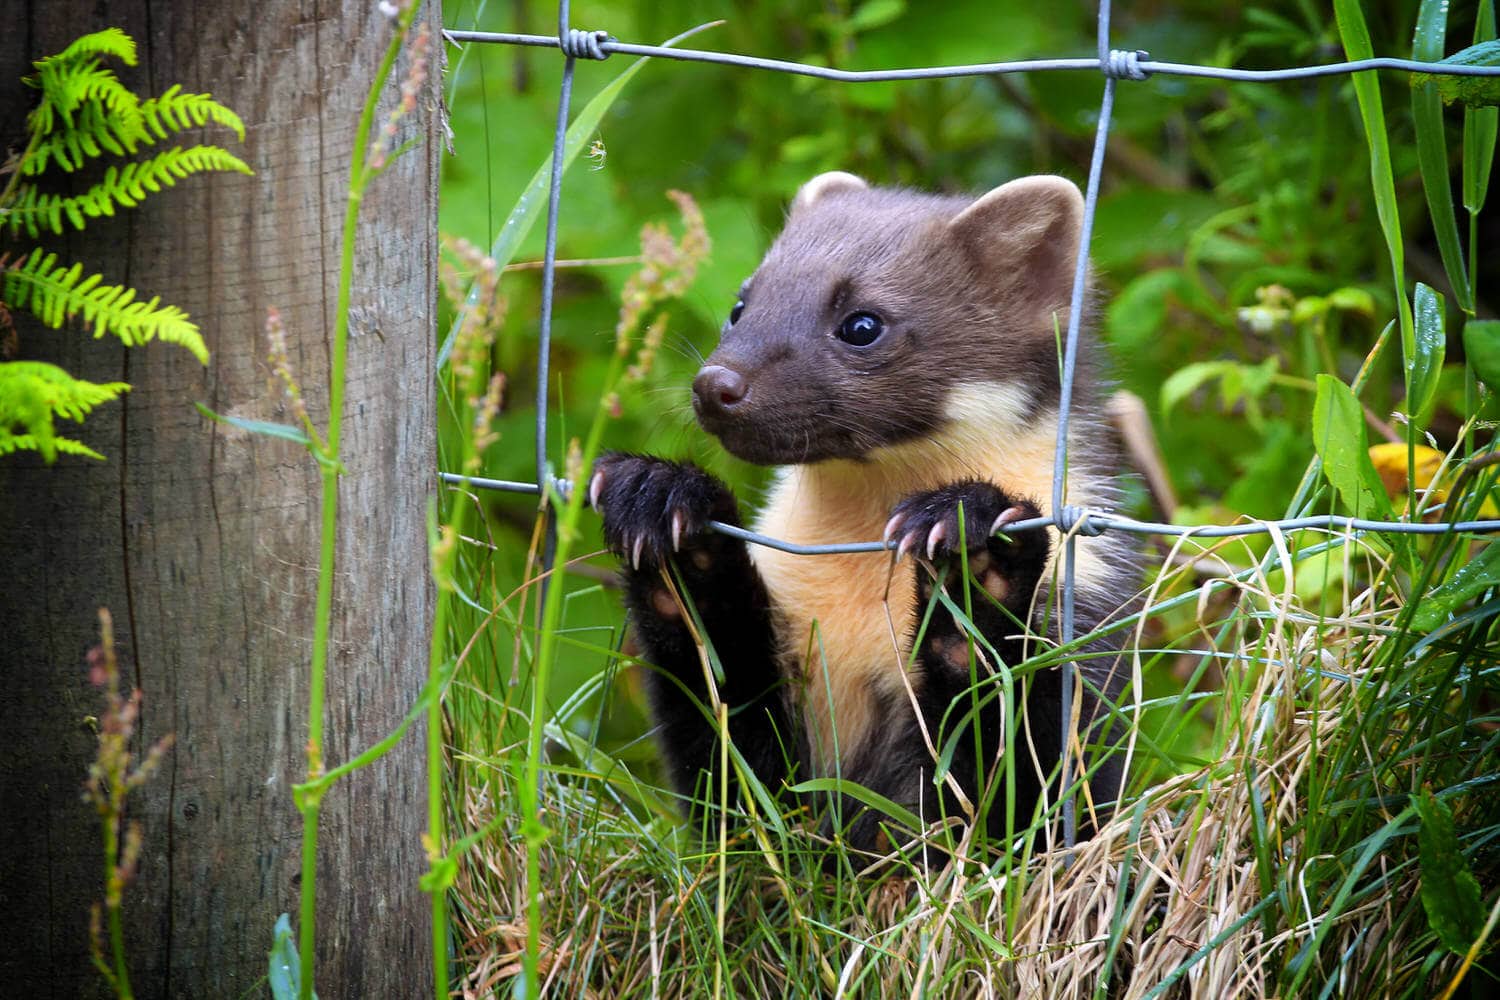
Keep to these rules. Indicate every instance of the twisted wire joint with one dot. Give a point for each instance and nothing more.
(580, 44)
(1124, 65)
(1070, 518)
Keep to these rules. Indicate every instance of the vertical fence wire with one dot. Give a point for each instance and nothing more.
(549, 274)
(1064, 409)
(1070, 521)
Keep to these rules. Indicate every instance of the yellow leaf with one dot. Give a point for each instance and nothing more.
(1389, 459)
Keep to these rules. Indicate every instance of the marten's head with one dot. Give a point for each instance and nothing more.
(875, 305)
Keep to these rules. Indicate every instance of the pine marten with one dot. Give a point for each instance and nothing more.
(895, 354)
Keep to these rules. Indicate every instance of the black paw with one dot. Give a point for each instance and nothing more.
(653, 507)
(928, 524)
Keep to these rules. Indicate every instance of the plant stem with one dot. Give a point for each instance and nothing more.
(358, 177)
(533, 830)
(15, 177)
(435, 771)
(321, 618)
(111, 895)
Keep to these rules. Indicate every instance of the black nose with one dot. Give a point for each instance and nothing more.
(717, 389)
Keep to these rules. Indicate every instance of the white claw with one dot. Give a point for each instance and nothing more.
(938, 534)
(635, 551)
(596, 486)
(908, 542)
(892, 526)
(679, 523)
(1007, 516)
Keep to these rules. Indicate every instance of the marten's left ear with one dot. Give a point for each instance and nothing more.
(817, 187)
(1025, 233)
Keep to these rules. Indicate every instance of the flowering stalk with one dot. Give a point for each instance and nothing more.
(362, 170)
(111, 778)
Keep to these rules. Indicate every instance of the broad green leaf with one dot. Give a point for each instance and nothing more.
(284, 972)
(1138, 313)
(528, 207)
(1238, 383)
(1427, 363)
(1352, 300)
(875, 13)
(1479, 127)
(1356, 39)
(858, 792)
(1482, 347)
(1450, 893)
(1473, 578)
(1187, 379)
(1432, 151)
(265, 427)
(1339, 437)
(1471, 90)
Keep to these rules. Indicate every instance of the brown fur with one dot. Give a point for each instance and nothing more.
(894, 352)
(964, 386)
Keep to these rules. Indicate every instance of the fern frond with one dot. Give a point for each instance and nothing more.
(175, 111)
(33, 393)
(56, 293)
(67, 85)
(94, 132)
(125, 186)
(49, 447)
(109, 42)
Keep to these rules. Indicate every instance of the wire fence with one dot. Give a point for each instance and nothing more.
(1071, 521)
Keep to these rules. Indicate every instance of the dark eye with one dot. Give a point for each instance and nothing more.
(736, 311)
(861, 329)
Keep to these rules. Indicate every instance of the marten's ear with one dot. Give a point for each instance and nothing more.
(834, 180)
(1025, 233)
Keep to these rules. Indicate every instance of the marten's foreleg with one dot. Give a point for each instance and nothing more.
(654, 513)
(960, 695)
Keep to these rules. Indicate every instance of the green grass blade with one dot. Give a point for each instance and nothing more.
(1427, 363)
(528, 207)
(858, 792)
(1356, 38)
(1479, 127)
(1432, 149)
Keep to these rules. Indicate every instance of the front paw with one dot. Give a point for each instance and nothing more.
(653, 507)
(928, 522)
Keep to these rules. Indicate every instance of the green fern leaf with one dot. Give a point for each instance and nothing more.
(97, 111)
(67, 86)
(126, 186)
(174, 111)
(56, 294)
(95, 132)
(109, 42)
(49, 447)
(33, 393)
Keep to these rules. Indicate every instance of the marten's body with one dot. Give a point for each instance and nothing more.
(896, 353)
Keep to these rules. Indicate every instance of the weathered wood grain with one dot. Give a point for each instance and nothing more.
(204, 544)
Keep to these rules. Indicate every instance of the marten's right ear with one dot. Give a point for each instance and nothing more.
(1025, 233)
(834, 180)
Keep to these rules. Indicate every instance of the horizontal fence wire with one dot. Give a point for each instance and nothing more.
(1072, 521)
(1084, 520)
(1137, 61)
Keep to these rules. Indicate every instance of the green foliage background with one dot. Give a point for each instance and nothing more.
(1211, 192)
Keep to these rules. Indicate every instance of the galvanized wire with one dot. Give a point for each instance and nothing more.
(1147, 66)
(1114, 65)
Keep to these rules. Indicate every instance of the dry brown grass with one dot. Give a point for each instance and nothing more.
(1277, 868)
